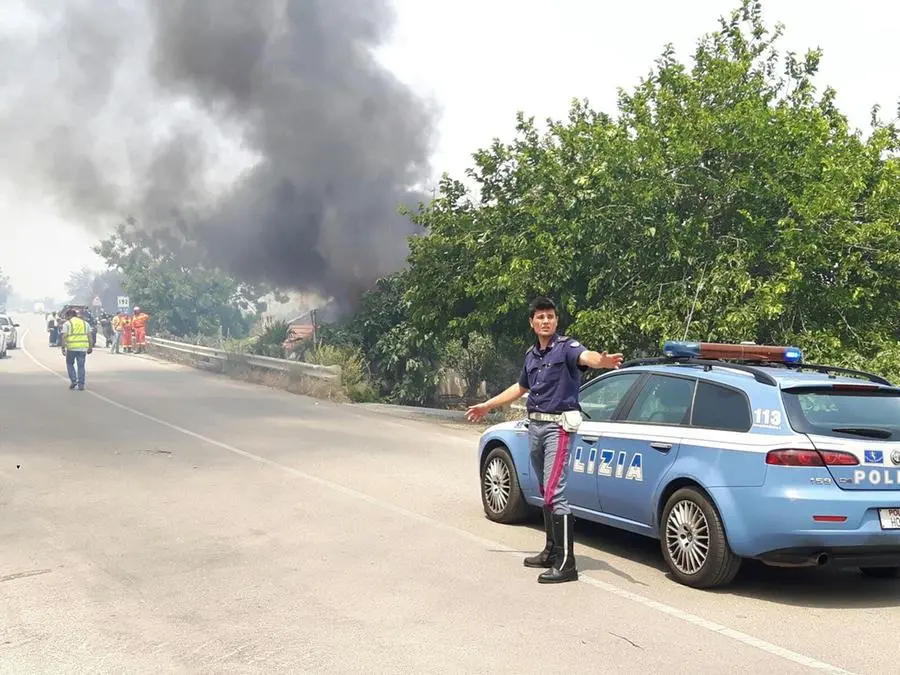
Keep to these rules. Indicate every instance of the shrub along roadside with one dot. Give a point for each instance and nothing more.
(355, 378)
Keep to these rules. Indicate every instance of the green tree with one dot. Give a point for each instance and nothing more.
(271, 340)
(473, 358)
(402, 359)
(167, 277)
(727, 201)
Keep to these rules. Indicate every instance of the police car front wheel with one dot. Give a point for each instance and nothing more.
(693, 541)
(501, 494)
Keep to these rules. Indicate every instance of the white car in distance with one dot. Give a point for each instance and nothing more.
(8, 328)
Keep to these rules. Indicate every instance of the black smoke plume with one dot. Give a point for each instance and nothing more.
(142, 108)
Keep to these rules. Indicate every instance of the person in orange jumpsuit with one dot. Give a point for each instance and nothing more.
(139, 324)
(126, 333)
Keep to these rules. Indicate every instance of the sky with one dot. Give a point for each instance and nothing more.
(479, 62)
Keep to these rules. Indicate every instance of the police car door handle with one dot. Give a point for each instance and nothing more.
(590, 439)
(662, 447)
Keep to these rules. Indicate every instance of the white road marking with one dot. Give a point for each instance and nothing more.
(700, 622)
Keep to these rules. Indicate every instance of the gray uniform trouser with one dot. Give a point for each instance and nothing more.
(550, 461)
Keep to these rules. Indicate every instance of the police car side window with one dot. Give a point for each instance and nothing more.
(663, 400)
(717, 407)
(600, 400)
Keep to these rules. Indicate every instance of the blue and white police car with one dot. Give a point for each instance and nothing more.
(724, 452)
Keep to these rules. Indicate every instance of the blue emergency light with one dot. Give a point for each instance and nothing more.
(736, 352)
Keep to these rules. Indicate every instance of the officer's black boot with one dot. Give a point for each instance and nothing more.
(564, 568)
(545, 557)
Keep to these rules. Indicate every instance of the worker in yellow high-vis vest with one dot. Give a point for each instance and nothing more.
(77, 342)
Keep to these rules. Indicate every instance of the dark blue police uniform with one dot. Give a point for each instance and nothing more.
(552, 377)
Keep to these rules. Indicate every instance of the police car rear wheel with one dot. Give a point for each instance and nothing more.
(693, 541)
(501, 495)
(881, 572)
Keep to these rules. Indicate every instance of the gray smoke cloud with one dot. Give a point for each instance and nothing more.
(266, 128)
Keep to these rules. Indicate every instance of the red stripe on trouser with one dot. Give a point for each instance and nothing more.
(562, 447)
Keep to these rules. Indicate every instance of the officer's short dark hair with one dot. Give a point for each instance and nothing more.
(539, 304)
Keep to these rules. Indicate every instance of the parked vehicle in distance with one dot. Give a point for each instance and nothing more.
(10, 329)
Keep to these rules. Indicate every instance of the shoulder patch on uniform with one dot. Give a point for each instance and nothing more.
(574, 343)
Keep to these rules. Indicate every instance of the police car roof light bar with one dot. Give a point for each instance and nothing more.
(759, 375)
(737, 352)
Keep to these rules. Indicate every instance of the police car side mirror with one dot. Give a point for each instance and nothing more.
(16, 325)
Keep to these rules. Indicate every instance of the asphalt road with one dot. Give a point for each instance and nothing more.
(168, 520)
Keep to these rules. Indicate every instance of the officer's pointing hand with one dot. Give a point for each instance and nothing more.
(611, 360)
(476, 412)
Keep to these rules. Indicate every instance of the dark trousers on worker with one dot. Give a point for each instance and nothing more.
(73, 359)
(549, 445)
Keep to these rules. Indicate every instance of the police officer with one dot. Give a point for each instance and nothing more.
(551, 376)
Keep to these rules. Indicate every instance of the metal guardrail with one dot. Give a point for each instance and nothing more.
(232, 362)
(185, 348)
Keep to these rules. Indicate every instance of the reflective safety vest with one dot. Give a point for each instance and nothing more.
(77, 337)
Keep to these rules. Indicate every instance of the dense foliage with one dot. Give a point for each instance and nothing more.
(404, 362)
(726, 201)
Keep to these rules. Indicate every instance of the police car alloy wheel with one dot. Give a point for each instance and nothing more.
(693, 541)
(501, 495)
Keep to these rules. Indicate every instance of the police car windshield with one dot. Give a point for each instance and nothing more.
(4, 321)
(843, 413)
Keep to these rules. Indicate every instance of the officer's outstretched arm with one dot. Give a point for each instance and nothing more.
(511, 394)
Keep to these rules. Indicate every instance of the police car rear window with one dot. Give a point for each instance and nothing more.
(717, 407)
(851, 412)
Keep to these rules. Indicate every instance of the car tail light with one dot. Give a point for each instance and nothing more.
(836, 458)
(788, 457)
(799, 457)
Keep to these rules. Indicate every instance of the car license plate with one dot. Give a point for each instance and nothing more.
(890, 519)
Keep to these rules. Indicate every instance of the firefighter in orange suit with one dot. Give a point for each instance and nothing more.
(126, 333)
(139, 324)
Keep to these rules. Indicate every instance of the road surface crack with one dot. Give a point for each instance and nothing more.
(622, 637)
(21, 575)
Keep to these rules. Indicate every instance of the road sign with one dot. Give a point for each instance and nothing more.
(98, 302)
(122, 302)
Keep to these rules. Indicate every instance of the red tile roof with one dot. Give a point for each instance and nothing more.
(298, 334)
